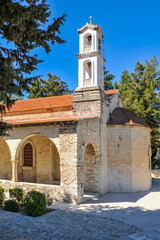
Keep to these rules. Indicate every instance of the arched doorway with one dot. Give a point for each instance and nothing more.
(91, 168)
(5, 161)
(39, 161)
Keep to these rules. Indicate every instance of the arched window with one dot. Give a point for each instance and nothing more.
(87, 70)
(88, 40)
(28, 155)
(87, 43)
(87, 73)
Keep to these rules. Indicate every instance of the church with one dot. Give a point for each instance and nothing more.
(66, 146)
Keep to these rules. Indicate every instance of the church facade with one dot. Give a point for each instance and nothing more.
(67, 145)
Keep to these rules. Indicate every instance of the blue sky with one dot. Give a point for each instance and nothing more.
(131, 33)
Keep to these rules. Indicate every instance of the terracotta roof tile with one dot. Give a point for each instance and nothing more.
(122, 116)
(111, 92)
(48, 104)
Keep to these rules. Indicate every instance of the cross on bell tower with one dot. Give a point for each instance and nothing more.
(90, 19)
(90, 60)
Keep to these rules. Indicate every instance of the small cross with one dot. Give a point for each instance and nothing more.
(91, 20)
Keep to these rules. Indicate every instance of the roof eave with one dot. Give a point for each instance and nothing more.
(51, 122)
(129, 125)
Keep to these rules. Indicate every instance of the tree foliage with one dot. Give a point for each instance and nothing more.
(4, 128)
(108, 78)
(23, 27)
(140, 92)
(53, 86)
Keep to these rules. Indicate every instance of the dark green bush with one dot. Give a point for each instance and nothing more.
(34, 204)
(16, 193)
(1, 196)
(11, 205)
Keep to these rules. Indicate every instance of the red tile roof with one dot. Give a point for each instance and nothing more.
(29, 121)
(111, 92)
(42, 105)
(122, 116)
(47, 104)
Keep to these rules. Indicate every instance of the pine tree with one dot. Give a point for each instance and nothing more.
(140, 92)
(23, 27)
(54, 86)
(108, 78)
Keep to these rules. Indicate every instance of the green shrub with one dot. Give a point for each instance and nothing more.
(1, 196)
(11, 205)
(16, 193)
(34, 204)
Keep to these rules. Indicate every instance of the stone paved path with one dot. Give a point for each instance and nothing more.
(141, 210)
(120, 216)
(61, 224)
(151, 234)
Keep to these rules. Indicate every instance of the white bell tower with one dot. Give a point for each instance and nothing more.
(90, 60)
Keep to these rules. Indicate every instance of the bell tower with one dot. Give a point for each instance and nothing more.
(90, 95)
(90, 60)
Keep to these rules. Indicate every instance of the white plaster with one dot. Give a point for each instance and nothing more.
(96, 59)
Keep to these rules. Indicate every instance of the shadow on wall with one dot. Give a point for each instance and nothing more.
(68, 198)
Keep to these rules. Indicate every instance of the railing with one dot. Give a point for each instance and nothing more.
(87, 82)
(87, 48)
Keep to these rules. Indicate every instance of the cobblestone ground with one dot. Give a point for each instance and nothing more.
(61, 224)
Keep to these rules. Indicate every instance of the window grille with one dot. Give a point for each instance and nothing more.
(28, 155)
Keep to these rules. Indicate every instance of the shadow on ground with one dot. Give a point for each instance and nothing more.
(126, 197)
(141, 210)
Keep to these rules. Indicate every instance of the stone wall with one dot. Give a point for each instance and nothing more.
(114, 102)
(5, 161)
(128, 159)
(103, 145)
(88, 132)
(50, 191)
(119, 159)
(87, 101)
(92, 101)
(39, 115)
(44, 159)
(68, 163)
(141, 157)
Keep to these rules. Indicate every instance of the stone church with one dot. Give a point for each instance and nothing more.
(66, 146)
